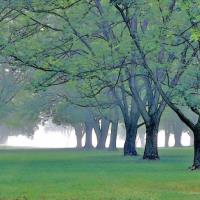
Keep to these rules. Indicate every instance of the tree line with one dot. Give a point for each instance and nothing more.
(101, 62)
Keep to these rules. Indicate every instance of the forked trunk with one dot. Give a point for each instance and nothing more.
(101, 143)
(88, 139)
(151, 147)
(113, 136)
(129, 145)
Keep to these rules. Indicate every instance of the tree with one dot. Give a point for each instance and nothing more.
(146, 61)
(76, 43)
(66, 114)
(10, 85)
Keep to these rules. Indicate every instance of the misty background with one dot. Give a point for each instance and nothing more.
(50, 135)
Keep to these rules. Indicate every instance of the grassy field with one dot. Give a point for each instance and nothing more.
(74, 175)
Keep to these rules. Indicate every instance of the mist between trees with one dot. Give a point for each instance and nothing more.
(96, 64)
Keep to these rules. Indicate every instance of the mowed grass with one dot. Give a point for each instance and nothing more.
(61, 174)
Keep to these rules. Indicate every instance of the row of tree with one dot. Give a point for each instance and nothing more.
(105, 61)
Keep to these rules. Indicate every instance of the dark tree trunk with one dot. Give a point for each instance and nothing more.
(151, 147)
(196, 162)
(177, 137)
(167, 135)
(101, 143)
(88, 132)
(113, 136)
(129, 145)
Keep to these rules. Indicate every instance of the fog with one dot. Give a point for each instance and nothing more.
(59, 139)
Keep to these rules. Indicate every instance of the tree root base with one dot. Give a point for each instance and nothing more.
(151, 158)
(131, 154)
(193, 168)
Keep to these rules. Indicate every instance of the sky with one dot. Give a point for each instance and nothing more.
(57, 139)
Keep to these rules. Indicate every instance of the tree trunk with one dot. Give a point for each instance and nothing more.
(151, 147)
(113, 136)
(196, 162)
(177, 137)
(191, 139)
(167, 135)
(88, 132)
(101, 143)
(79, 141)
(79, 135)
(129, 145)
(3, 139)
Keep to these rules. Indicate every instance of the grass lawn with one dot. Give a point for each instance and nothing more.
(61, 174)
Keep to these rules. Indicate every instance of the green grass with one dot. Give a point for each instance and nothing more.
(74, 175)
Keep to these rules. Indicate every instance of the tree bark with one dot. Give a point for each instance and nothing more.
(129, 145)
(101, 143)
(196, 161)
(113, 136)
(151, 147)
(88, 132)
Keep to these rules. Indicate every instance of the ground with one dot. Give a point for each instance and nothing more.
(100, 175)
